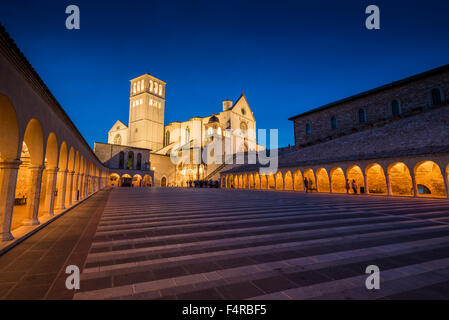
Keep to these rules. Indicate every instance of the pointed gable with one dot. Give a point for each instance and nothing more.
(241, 107)
(118, 126)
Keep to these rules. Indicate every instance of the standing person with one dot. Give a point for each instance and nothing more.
(347, 186)
(310, 185)
(306, 185)
(354, 186)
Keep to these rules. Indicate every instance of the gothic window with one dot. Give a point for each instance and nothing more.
(167, 138)
(334, 122)
(139, 161)
(121, 161)
(308, 129)
(395, 108)
(187, 134)
(436, 97)
(362, 116)
(130, 162)
(118, 139)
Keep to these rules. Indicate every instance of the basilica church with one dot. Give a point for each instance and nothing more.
(147, 144)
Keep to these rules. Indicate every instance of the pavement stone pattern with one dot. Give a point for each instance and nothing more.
(34, 268)
(164, 243)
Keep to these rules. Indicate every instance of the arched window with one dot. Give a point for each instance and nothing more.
(219, 131)
(160, 90)
(151, 85)
(121, 160)
(334, 122)
(395, 108)
(135, 87)
(362, 116)
(130, 162)
(308, 129)
(187, 134)
(138, 85)
(142, 85)
(118, 139)
(436, 97)
(139, 161)
(167, 138)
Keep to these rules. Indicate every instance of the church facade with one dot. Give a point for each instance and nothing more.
(234, 126)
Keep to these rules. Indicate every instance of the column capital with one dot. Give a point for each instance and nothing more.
(35, 167)
(10, 164)
(52, 170)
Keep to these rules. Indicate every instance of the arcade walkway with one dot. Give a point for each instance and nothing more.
(156, 243)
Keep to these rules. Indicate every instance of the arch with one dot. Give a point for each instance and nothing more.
(338, 180)
(400, 179)
(245, 181)
(263, 182)
(29, 177)
(288, 181)
(48, 179)
(163, 182)
(9, 130)
(257, 181)
(428, 178)
(137, 181)
(322, 180)
(251, 181)
(376, 182)
(167, 138)
(310, 176)
(299, 180)
(139, 161)
(126, 180)
(271, 182)
(147, 181)
(354, 173)
(114, 180)
(130, 161)
(279, 181)
(121, 161)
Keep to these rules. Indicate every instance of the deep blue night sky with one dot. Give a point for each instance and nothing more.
(286, 56)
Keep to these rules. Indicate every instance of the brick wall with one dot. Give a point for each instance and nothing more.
(412, 96)
(427, 129)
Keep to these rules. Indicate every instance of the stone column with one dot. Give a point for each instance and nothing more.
(82, 186)
(387, 178)
(8, 180)
(34, 195)
(415, 191)
(446, 183)
(60, 203)
(76, 178)
(49, 205)
(69, 188)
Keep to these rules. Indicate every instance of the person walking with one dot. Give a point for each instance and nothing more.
(306, 185)
(347, 186)
(354, 186)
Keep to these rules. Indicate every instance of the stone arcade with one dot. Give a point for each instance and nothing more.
(392, 140)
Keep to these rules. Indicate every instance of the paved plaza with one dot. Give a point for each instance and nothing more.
(163, 243)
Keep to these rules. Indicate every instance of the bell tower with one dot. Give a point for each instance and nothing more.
(146, 113)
